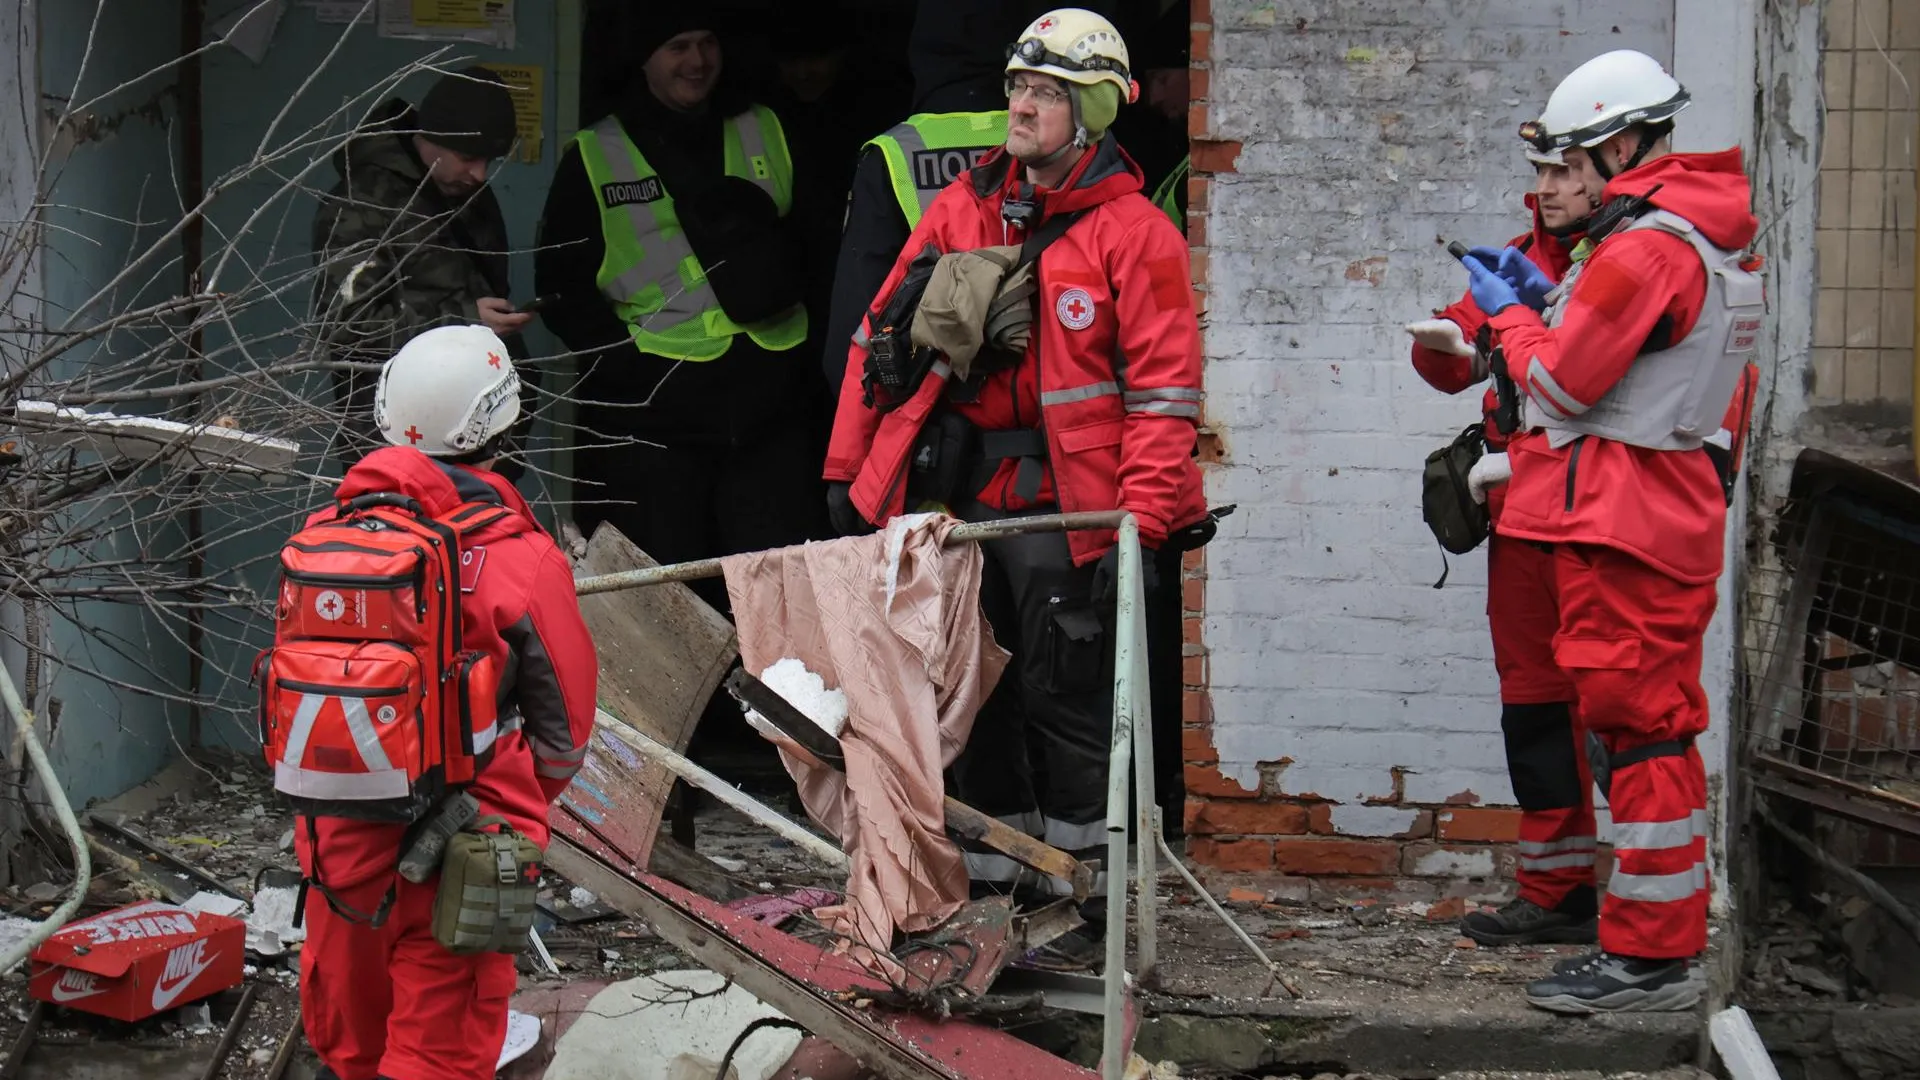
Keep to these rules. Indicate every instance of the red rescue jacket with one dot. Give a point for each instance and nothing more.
(1641, 290)
(518, 604)
(1111, 372)
(1451, 374)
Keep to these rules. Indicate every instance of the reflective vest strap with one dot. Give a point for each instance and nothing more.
(905, 145)
(897, 148)
(1167, 195)
(651, 274)
(647, 267)
(757, 151)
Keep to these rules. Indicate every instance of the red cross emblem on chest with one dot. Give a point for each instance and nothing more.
(1075, 309)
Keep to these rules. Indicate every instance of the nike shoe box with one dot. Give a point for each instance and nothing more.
(139, 961)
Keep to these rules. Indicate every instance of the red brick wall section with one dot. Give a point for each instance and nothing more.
(1229, 828)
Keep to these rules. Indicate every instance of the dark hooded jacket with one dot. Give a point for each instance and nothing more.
(396, 256)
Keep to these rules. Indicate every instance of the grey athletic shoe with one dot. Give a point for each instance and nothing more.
(1606, 982)
(1523, 922)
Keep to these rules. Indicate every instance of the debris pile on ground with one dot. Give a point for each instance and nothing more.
(1838, 949)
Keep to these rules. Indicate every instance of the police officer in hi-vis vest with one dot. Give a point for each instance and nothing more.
(958, 56)
(677, 280)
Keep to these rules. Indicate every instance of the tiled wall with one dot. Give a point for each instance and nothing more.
(1863, 328)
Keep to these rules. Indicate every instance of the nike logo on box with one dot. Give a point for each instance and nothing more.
(73, 985)
(184, 965)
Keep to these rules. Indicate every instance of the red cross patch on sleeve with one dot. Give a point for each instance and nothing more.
(471, 562)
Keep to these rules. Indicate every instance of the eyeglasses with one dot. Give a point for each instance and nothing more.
(1044, 94)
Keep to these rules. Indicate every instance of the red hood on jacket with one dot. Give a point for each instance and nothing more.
(1103, 174)
(438, 486)
(1709, 190)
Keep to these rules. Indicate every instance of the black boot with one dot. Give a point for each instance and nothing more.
(1608, 982)
(1523, 922)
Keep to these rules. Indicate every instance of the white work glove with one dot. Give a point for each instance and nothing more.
(1441, 335)
(1489, 471)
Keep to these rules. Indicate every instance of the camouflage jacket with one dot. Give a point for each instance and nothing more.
(397, 257)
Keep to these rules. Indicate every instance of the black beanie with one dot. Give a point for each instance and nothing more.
(664, 22)
(470, 112)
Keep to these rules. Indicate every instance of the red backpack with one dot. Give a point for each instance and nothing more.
(370, 706)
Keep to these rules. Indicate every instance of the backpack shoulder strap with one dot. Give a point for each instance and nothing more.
(471, 518)
(1039, 239)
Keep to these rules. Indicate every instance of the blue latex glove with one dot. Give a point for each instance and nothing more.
(1513, 266)
(1489, 290)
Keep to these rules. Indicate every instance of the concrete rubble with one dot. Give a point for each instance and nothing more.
(1390, 989)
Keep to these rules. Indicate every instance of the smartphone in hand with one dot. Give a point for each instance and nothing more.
(535, 304)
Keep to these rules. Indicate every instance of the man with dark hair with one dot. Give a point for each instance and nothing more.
(411, 237)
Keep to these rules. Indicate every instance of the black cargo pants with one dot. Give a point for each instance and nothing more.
(1038, 755)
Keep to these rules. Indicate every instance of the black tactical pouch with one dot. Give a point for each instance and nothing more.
(1446, 502)
(945, 459)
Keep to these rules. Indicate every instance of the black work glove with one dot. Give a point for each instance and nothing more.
(844, 516)
(1106, 576)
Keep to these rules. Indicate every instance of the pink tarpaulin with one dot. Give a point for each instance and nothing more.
(892, 620)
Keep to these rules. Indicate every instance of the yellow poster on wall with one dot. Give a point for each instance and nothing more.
(524, 82)
(450, 14)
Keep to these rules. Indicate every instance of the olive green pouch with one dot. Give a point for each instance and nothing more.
(489, 883)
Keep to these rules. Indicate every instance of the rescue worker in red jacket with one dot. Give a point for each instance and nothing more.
(1628, 373)
(391, 1003)
(1099, 412)
(1545, 760)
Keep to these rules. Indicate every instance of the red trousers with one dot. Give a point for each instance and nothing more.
(1546, 761)
(1631, 639)
(392, 1002)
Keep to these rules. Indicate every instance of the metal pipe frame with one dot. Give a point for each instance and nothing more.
(1132, 741)
(62, 813)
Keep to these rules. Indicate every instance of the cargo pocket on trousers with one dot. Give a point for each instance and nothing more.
(1074, 641)
(1606, 679)
(494, 982)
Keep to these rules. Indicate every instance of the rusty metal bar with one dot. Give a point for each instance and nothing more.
(693, 774)
(960, 817)
(232, 1035)
(1845, 804)
(23, 1043)
(971, 533)
(1896, 804)
(283, 1056)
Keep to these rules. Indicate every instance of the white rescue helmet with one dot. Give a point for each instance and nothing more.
(447, 392)
(1078, 46)
(1603, 97)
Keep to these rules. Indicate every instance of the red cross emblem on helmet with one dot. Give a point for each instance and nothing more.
(1046, 24)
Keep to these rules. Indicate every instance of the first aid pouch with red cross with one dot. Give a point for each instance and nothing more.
(370, 707)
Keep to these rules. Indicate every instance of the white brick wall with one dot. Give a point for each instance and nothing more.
(1372, 129)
